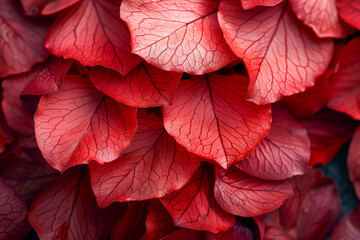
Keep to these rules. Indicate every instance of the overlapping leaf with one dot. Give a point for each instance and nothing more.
(210, 118)
(151, 167)
(349, 226)
(194, 205)
(78, 124)
(284, 153)
(345, 83)
(243, 195)
(180, 36)
(281, 56)
(67, 209)
(322, 16)
(46, 7)
(354, 161)
(13, 210)
(247, 4)
(144, 86)
(349, 11)
(16, 113)
(93, 33)
(50, 77)
(22, 40)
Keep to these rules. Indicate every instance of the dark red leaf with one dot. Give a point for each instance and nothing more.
(210, 118)
(345, 83)
(50, 77)
(273, 228)
(349, 226)
(13, 211)
(28, 173)
(310, 214)
(46, 7)
(67, 209)
(132, 225)
(177, 36)
(22, 40)
(237, 232)
(151, 167)
(354, 161)
(194, 205)
(93, 33)
(55, 6)
(289, 211)
(246, 196)
(281, 56)
(185, 234)
(328, 131)
(306, 103)
(78, 124)
(284, 153)
(16, 114)
(158, 222)
(6, 135)
(349, 11)
(319, 212)
(247, 4)
(322, 16)
(144, 86)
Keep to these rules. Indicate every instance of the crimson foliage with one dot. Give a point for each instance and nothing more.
(165, 119)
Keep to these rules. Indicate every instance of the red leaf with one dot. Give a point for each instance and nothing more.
(22, 41)
(310, 214)
(349, 226)
(13, 211)
(209, 117)
(319, 212)
(177, 36)
(328, 131)
(246, 196)
(349, 11)
(158, 222)
(306, 103)
(247, 4)
(284, 153)
(273, 228)
(67, 210)
(281, 56)
(289, 211)
(237, 232)
(93, 34)
(17, 116)
(55, 6)
(28, 173)
(151, 167)
(6, 136)
(322, 16)
(345, 83)
(46, 7)
(354, 161)
(144, 86)
(50, 77)
(184, 233)
(132, 225)
(78, 124)
(194, 205)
